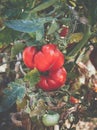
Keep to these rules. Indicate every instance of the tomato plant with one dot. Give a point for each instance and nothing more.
(48, 58)
(47, 63)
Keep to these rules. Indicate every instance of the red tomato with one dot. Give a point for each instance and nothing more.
(74, 100)
(58, 60)
(44, 58)
(49, 57)
(28, 56)
(64, 31)
(54, 80)
(59, 75)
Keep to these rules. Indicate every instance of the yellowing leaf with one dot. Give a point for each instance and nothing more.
(94, 40)
(21, 105)
(39, 109)
(76, 37)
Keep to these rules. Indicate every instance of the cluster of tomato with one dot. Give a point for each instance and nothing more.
(49, 61)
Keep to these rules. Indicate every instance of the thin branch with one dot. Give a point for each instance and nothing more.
(59, 106)
(21, 69)
(65, 114)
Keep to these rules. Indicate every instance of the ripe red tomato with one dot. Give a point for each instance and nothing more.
(58, 60)
(54, 80)
(49, 57)
(44, 58)
(59, 75)
(64, 31)
(74, 100)
(28, 56)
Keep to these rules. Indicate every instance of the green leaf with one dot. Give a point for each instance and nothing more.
(23, 25)
(33, 77)
(8, 35)
(43, 6)
(14, 92)
(53, 27)
(18, 47)
(92, 11)
(12, 8)
(27, 26)
(39, 34)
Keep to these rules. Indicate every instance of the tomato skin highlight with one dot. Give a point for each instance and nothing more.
(54, 80)
(28, 56)
(59, 75)
(53, 85)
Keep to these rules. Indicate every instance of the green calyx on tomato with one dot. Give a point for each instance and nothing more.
(50, 119)
(54, 80)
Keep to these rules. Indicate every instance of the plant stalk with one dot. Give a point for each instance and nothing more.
(81, 44)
